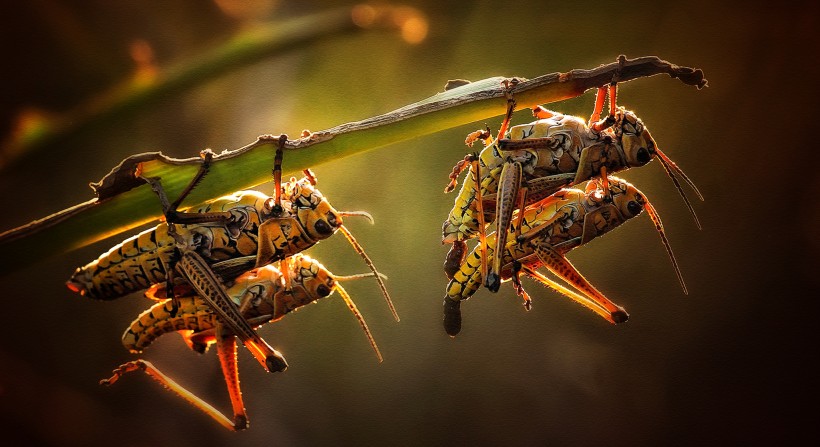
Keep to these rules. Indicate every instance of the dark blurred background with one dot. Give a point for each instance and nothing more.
(731, 363)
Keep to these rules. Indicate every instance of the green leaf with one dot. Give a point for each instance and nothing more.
(124, 202)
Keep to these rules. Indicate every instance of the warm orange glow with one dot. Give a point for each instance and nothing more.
(414, 29)
(246, 9)
(146, 70)
(363, 15)
(410, 22)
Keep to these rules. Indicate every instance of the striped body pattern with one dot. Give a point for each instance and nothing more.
(145, 259)
(576, 153)
(572, 137)
(260, 294)
(566, 220)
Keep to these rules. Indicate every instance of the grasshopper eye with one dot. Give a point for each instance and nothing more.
(322, 227)
(634, 207)
(643, 155)
(323, 290)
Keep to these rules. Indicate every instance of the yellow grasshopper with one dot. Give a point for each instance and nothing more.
(548, 230)
(262, 295)
(529, 162)
(210, 245)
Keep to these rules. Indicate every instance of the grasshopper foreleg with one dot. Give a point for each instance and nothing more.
(277, 174)
(169, 209)
(457, 169)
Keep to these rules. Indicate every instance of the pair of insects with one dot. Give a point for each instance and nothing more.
(213, 272)
(520, 181)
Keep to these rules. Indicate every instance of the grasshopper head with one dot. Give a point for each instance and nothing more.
(639, 146)
(311, 208)
(629, 201)
(310, 279)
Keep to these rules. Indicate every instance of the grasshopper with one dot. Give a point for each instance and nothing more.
(529, 162)
(219, 241)
(548, 230)
(261, 295)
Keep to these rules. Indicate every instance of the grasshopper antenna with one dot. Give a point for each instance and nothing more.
(364, 214)
(359, 276)
(367, 260)
(656, 219)
(671, 169)
(352, 306)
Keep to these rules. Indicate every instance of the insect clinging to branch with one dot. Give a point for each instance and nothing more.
(529, 162)
(548, 230)
(217, 242)
(262, 295)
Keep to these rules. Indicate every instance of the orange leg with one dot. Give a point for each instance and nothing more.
(457, 169)
(505, 125)
(595, 300)
(484, 135)
(519, 289)
(577, 297)
(605, 184)
(284, 267)
(170, 385)
(600, 97)
(613, 98)
(595, 122)
(226, 350)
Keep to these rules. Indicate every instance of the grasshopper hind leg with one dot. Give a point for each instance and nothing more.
(240, 421)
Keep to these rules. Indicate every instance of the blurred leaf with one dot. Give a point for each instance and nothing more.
(38, 131)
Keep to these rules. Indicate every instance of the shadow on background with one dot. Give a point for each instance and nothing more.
(729, 363)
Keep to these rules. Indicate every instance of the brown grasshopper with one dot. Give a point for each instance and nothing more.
(262, 295)
(217, 242)
(529, 162)
(548, 230)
